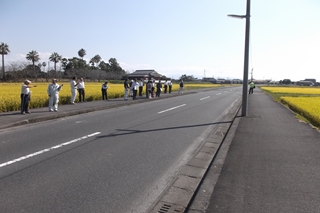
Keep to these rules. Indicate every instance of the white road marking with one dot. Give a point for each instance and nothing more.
(171, 109)
(219, 94)
(47, 150)
(204, 98)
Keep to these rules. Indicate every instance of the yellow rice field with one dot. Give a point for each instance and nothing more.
(305, 101)
(294, 90)
(308, 107)
(10, 93)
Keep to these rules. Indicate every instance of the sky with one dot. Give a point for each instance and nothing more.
(173, 37)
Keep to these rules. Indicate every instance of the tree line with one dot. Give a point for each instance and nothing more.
(95, 69)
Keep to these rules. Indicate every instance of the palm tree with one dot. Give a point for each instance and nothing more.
(95, 60)
(44, 64)
(4, 50)
(81, 53)
(55, 58)
(34, 57)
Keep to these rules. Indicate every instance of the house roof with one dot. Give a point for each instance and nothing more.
(144, 74)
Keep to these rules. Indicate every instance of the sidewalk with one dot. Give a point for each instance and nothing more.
(11, 119)
(272, 164)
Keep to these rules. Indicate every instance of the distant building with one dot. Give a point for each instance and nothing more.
(236, 81)
(305, 83)
(264, 81)
(146, 74)
(311, 79)
(211, 80)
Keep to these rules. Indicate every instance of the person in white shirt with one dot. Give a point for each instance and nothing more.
(81, 90)
(170, 86)
(165, 86)
(73, 88)
(130, 89)
(140, 87)
(134, 89)
(25, 96)
(53, 92)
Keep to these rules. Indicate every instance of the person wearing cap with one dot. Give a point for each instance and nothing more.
(25, 96)
(53, 92)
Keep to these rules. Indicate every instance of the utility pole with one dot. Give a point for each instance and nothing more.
(246, 60)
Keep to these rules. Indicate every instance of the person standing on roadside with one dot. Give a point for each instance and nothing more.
(126, 89)
(170, 86)
(159, 87)
(140, 87)
(25, 96)
(73, 88)
(134, 89)
(149, 89)
(130, 90)
(152, 88)
(165, 86)
(181, 87)
(104, 89)
(81, 90)
(252, 86)
(53, 92)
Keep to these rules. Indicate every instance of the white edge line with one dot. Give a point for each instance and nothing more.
(47, 150)
(171, 109)
(204, 98)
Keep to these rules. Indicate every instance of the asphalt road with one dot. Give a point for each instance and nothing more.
(115, 160)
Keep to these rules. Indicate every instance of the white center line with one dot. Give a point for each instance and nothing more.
(47, 150)
(171, 109)
(219, 94)
(204, 98)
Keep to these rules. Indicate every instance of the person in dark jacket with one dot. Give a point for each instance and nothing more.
(104, 89)
(181, 87)
(126, 89)
(159, 86)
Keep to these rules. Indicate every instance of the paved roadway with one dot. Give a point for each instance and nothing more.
(115, 160)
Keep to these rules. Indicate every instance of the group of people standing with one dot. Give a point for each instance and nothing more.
(133, 86)
(130, 89)
(77, 87)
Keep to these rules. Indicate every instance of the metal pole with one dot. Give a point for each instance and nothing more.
(246, 64)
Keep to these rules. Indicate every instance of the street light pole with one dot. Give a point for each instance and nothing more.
(246, 60)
